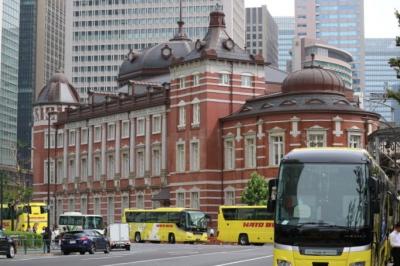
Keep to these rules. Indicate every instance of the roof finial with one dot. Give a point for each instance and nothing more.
(312, 60)
(218, 7)
(180, 35)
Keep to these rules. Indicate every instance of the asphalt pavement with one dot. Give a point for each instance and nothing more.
(149, 254)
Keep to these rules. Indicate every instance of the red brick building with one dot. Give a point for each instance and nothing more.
(191, 122)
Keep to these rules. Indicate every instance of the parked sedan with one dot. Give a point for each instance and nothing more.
(7, 246)
(84, 241)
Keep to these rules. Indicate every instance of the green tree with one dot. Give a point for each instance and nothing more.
(395, 64)
(256, 191)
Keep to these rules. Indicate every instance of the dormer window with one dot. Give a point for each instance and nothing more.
(315, 101)
(288, 103)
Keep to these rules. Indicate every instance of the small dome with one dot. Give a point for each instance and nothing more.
(155, 60)
(58, 90)
(313, 79)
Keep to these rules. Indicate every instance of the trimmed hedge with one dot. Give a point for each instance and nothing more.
(28, 239)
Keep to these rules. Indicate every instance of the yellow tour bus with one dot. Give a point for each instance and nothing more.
(333, 207)
(27, 217)
(167, 225)
(245, 225)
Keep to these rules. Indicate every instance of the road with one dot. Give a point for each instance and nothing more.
(157, 254)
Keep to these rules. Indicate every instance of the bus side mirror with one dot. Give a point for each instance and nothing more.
(272, 188)
(373, 184)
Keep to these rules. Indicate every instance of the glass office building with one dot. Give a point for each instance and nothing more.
(100, 33)
(285, 40)
(379, 76)
(9, 15)
(340, 24)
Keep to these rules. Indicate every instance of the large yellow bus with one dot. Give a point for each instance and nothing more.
(334, 207)
(167, 225)
(245, 225)
(31, 216)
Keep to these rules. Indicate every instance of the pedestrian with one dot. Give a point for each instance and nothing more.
(394, 239)
(46, 233)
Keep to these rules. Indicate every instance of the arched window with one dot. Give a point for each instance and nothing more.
(196, 112)
(182, 114)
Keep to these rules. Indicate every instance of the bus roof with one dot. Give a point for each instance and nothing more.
(162, 209)
(242, 207)
(327, 155)
(71, 214)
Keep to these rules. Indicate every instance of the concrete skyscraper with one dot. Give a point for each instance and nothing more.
(41, 53)
(262, 34)
(285, 40)
(340, 24)
(379, 76)
(9, 23)
(100, 33)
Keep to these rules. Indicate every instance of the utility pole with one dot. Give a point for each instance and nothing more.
(1, 199)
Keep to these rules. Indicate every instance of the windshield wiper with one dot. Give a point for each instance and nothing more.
(323, 224)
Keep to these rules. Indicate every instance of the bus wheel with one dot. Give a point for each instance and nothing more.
(243, 240)
(138, 239)
(171, 238)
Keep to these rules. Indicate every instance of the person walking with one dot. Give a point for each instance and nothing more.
(46, 239)
(394, 239)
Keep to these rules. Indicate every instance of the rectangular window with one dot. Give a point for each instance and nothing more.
(84, 136)
(52, 177)
(195, 200)
(246, 81)
(182, 116)
(60, 140)
(83, 205)
(156, 163)
(140, 163)
(125, 129)
(224, 79)
(276, 149)
(71, 204)
(140, 201)
(180, 199)
(196, 114)
(250, 152)
(194, 156)
(196, 79)
(97, 206)
(180, 157)
(71, 138)
(156, 124)
(316, 139)
(110, 167)
(125, 165)
(97, 134)
(229, 197)
(84, 169)
(140, 126)
(110, 210)
(124, 202)
(97, 168)
(110, 131)
(181, 83)
(229, 154)
(60, 171)
(71, 169)
(355, 141)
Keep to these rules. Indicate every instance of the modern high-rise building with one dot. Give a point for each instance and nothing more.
(41, 50)
(339, 23)
(306, 52)
(99, 34)
(379, 76)
(262, 34)
(285, 40)
(9, 32)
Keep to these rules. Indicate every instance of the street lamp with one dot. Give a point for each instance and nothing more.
(49, 114)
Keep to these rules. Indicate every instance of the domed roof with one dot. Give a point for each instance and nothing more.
(58, 90)
(154, 60)
(313, 79)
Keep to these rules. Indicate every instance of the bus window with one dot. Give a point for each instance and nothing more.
(140, 217)
(263, 214)
(162, 217)
(173, 217)
(229, 214)
(43, 209)
(245, 214)
(152, 217)
(130, 217)
(93, 222)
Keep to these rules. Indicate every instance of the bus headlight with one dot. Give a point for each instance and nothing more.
(283, 263)
(358, 263)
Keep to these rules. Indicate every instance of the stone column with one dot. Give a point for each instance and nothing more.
(147, 147)
(103, 148)
(90, 151)
(132, 148)
(117, 148)
(164, 144)
(77, 152)
(65, 163)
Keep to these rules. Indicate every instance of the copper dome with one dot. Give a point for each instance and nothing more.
(313, 79)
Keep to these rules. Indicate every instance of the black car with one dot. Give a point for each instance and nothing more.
(7, 246)
(84, 241)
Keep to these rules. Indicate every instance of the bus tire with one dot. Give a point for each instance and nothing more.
(171, 238)
(138, 239)
(243, 240)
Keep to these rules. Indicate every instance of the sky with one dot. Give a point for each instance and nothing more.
(379, 18)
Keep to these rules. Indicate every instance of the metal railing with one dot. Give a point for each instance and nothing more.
(27, 245)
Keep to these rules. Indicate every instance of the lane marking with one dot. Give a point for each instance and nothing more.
(240, 261)
(176, 257)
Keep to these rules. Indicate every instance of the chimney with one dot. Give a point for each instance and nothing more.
(217, 18)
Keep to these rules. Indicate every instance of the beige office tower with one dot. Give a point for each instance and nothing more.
(100, 33)
(340, 24)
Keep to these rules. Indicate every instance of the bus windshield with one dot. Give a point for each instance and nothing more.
(322, 194)
(71, 220)
(197, 220)
(93, 222)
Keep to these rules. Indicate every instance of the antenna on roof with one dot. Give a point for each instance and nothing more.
(180, 35)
